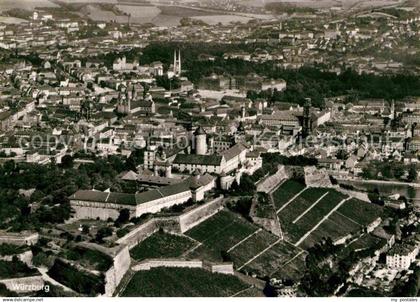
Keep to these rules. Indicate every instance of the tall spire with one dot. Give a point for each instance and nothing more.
(177, 62)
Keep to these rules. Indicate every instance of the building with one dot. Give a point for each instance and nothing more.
(188, 163)
(226, 162)
(121, 64)
(200, 137)
(103, 205)
(280, 118)
(401, 256)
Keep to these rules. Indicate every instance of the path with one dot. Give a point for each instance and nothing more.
(293, 198)
(259, 254)
(243, 240)
(308, 209)
(321, 221)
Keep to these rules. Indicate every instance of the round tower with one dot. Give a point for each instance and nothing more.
(200, 141)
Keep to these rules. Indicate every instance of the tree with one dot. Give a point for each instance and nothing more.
(102, 233)
(412, 173)
(67, 162)
(124, 216)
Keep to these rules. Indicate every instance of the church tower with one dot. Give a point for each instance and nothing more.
(177, 63)
(393, 110)
(307, 127)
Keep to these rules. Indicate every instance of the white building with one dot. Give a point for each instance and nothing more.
(401, 256)
(104, 205)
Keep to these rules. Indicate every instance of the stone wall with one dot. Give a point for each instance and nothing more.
(270, 225)
(317, 177)
(271, 182)
(200, 214)
(114, 275)
(172, 224)
(25, 284)
(221, 268)
(148, 264)
(25, 257)
(359, 195)
(24, 238)
(93, 210)
(139, 234)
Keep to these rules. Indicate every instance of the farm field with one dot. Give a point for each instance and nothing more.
(161, 245)
(182, 282)
(362, 212)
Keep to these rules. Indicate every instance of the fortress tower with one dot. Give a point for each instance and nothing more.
(200, 141)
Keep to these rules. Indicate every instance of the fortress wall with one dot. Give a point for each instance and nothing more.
(271, 182)
(25, 257)
(148, 264)
(114, 275)
(359, 195)
(172, 224)
(19, 239)
(200, 214)
(25, 284)
(221, 268)
(139, 234)
(226, 269)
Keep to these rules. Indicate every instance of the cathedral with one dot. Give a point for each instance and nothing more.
(130, 103)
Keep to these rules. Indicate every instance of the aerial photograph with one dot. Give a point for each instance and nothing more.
(210, 148)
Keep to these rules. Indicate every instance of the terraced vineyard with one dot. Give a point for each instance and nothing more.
(161, 245)
(307, 215)
(219, 233)
(182, 282)
(249, 248)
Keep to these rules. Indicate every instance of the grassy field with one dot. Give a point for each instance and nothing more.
(182, 282)
(219, 233)
(161, 245)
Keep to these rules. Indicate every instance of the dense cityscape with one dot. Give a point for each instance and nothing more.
(218, 148)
